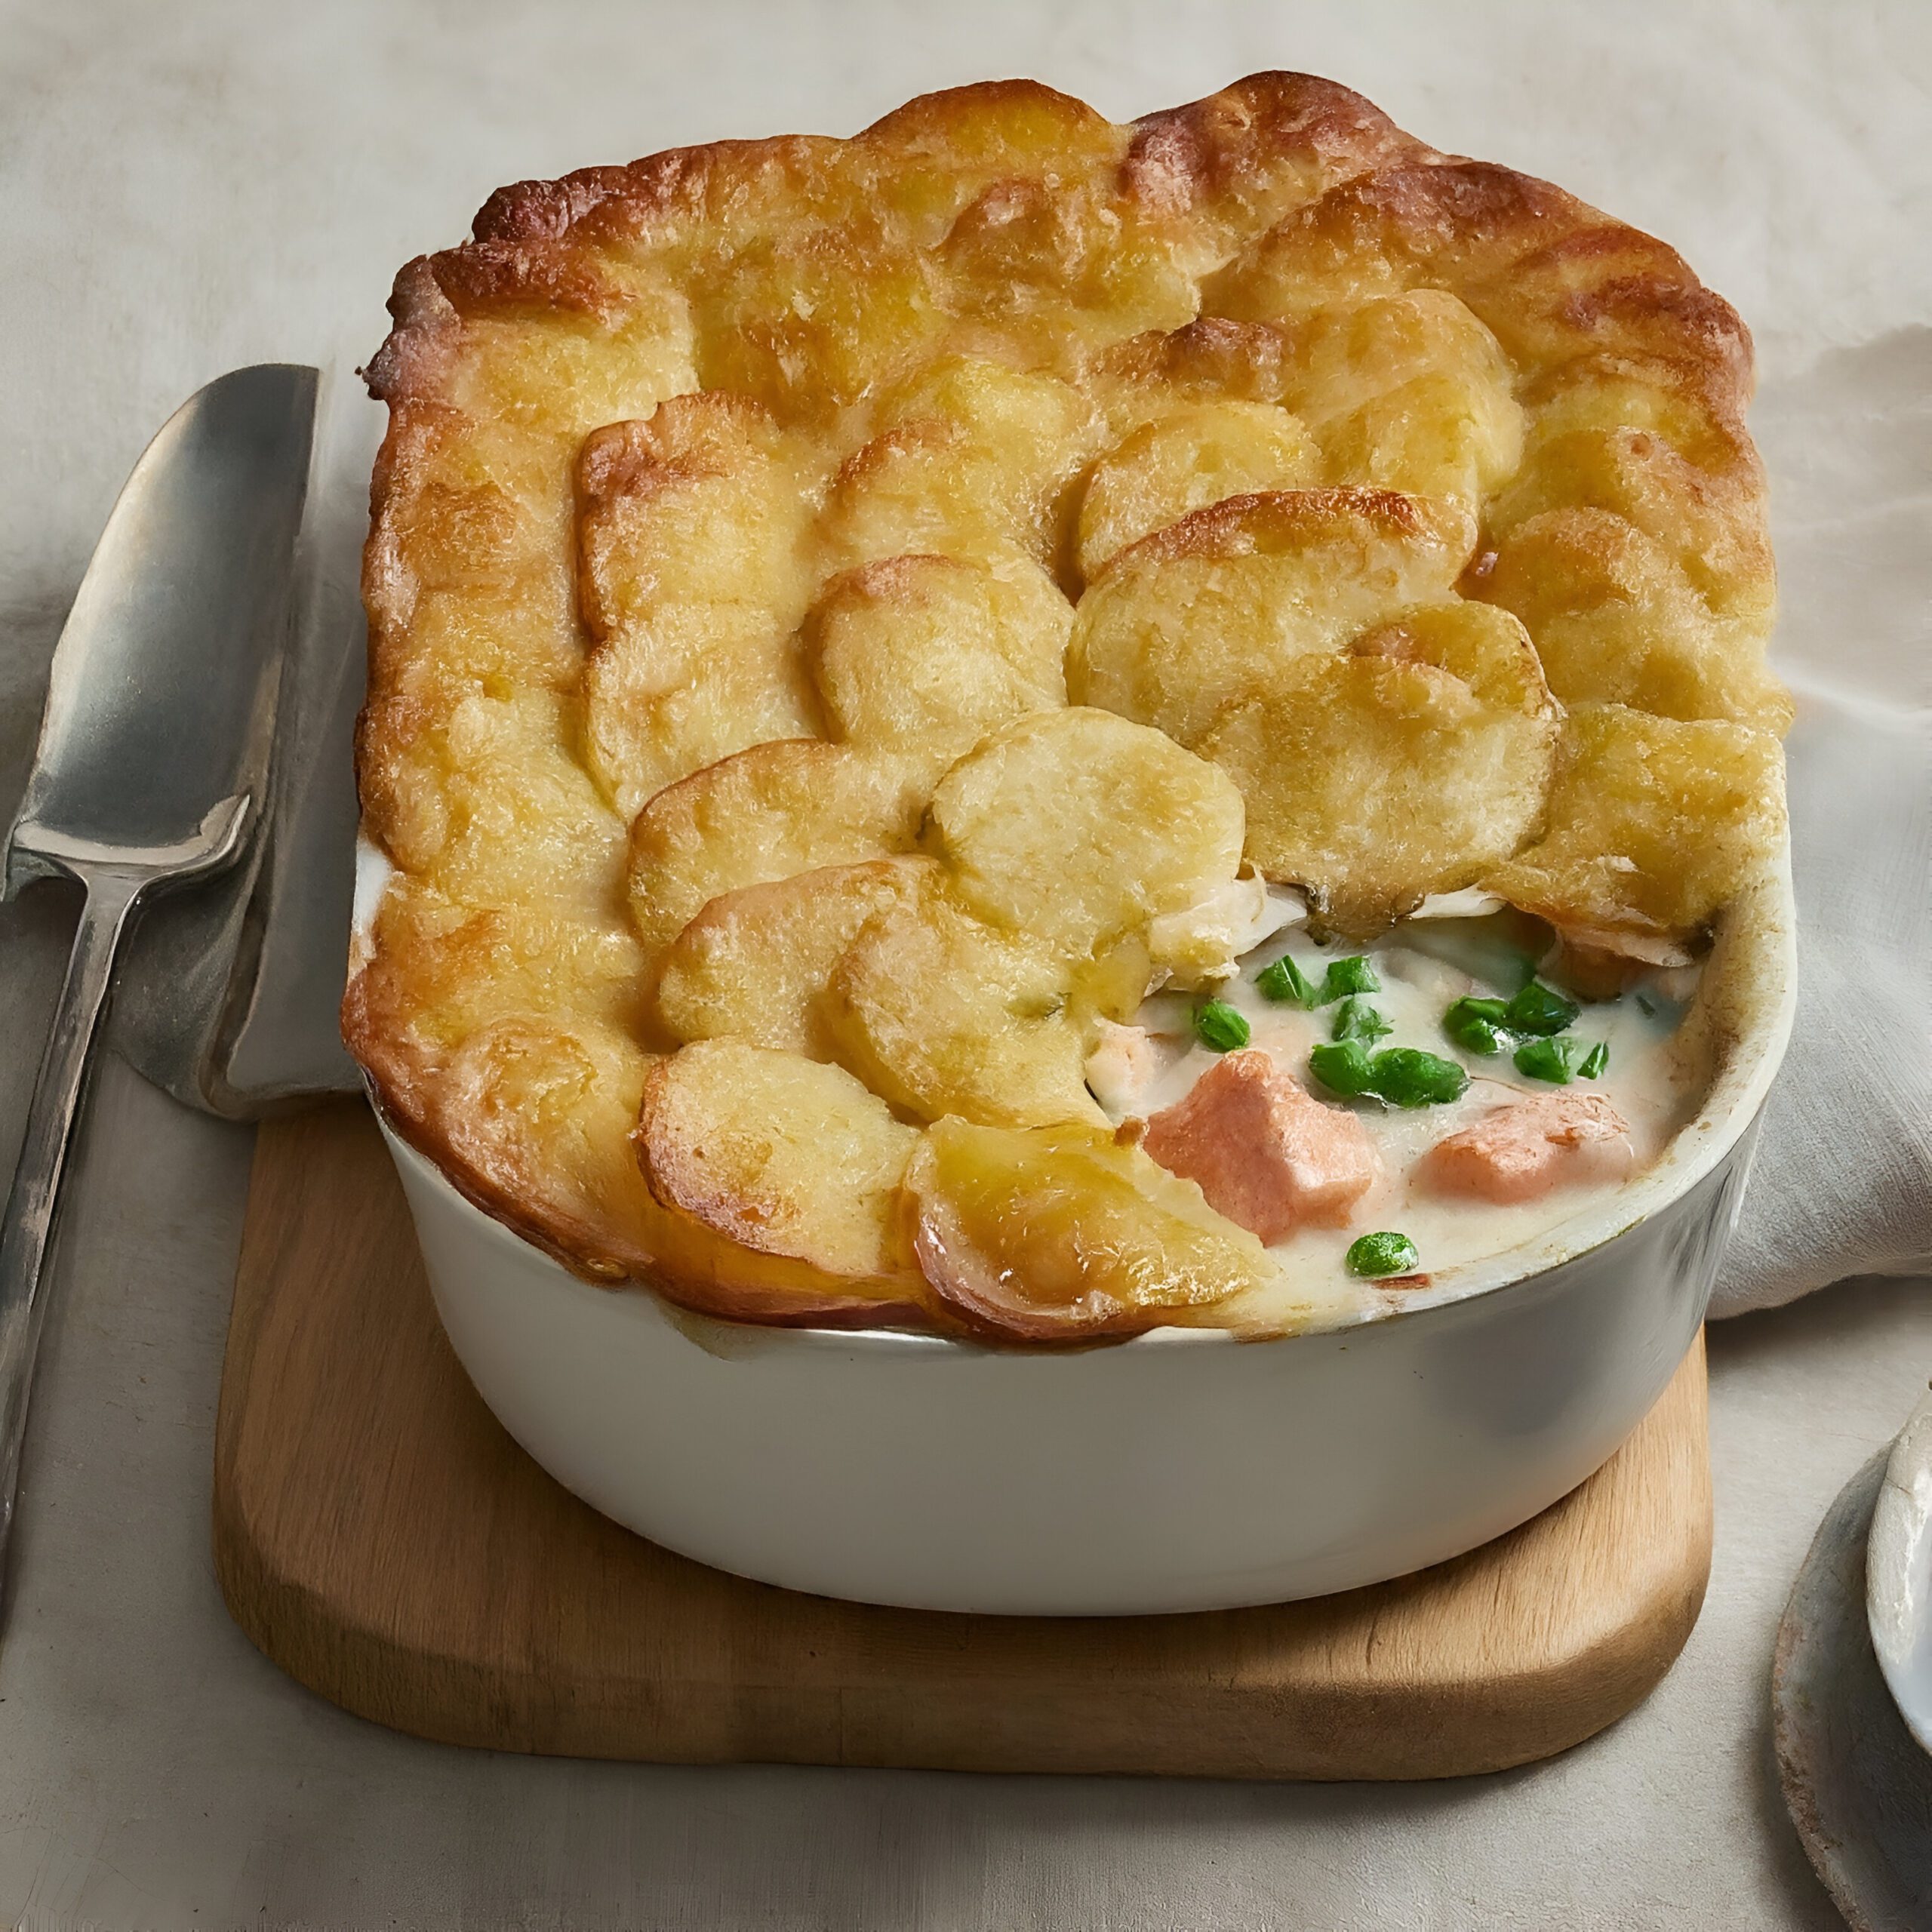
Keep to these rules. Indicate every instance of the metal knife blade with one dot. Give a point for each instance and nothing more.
(164, 680)
(153, 756)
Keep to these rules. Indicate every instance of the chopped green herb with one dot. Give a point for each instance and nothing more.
(1284, 982)
(1553, 1060)
(1217, 1024)
(1342, 1068)
(1647, 1004)
(1346, 976)
(1478, 1024)
(1356, 1019)
(1541, 1009)
(1407, 1077)
(1592, 1068)
(1384, 1253)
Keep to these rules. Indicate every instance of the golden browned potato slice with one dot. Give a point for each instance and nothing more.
(493, 809)
(1073, 827)
(928, 654)
(754, 962)
(1200, 454)
(942, 1014)
(1654, 824)
(1409, 392)
(785, 1156)
(1408, 763)
(1055, 1235)
(1617, 621)
(692, 575)
(972, 459)
(767, 813)
(1219, 605)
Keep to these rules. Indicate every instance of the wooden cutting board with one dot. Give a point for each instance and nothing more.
(378, 1535)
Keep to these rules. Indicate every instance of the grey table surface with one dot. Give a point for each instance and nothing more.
(191, 188)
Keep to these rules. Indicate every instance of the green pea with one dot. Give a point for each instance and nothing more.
(1598, 1059)
(1385, 1253)
(1541, 1009)
(1553, 1060)
(1356, 1019)
(1342, 1068)
(1345, 976)
(1407, 1077)
(1217, 1024)
(1285, 983)
(1478, 1024)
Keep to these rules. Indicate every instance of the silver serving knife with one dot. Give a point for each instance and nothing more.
(152, 764)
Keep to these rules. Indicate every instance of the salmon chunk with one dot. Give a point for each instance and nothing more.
(1265, 1152)
(1526, 1149)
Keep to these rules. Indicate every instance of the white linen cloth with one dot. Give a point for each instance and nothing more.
(1842, 1182)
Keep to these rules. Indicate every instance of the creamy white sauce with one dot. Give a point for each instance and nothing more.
(1424, 966)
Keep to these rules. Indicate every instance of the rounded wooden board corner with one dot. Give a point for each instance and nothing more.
(379, 1536)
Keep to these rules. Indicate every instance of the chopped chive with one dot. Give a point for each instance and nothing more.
(1342, 1068)
(1345, 976)
(1541, 1009)
(1385, 1253)
(1407, 1077)
(1217, 1024)
(1478, 1024)
(1551, 1060)
(1646, 1003)
(1285, 983)
(1356, 1019)
(1592, 1068)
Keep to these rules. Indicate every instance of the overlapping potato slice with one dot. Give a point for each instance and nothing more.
(1655, 823)
(1615, 621)
(926, 655)
(1408, 763)
(943, 1014)
(807, 319)
(1199, 454)
(493, 807)
(1058, 1234)
(692, 576)
(784, 1156)
(1408, 393)
(1076, 827)
(1219, 605)
(971, 459)
(754, 963)
(770, 811)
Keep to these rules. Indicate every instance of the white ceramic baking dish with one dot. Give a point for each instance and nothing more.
(1183, 1470)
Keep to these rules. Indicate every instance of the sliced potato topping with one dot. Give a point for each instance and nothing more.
(1616, 620)
(693, 577)
(1410, 762)
(1075, 827)
(943, 1014)
(1653, 823)
(1055, 1234)
(754, 963)
(781, 1155)
(1198, 455)
(1219, 606)
(769, 812)
(927, 654)
(971, 458)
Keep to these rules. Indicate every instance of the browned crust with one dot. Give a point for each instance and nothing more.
(1318, 166)
(1239, 526)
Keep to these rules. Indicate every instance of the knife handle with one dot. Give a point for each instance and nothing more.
(28, 1228)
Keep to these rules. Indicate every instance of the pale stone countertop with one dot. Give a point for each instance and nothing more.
(191, 187)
